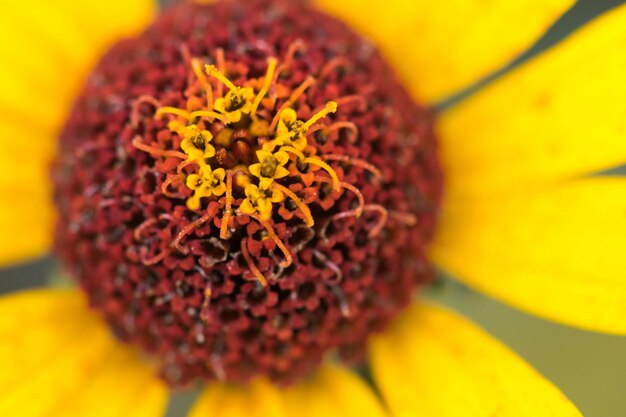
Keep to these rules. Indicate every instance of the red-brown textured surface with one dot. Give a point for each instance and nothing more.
(343, 285)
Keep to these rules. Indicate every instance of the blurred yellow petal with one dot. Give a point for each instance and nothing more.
(47, 50)
(561, 115)
(333, 391)
(557, 253)
(330, 391)
(434, 363)
(58, 359)
(440, 47)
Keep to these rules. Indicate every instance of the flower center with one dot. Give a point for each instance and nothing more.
(244, 189)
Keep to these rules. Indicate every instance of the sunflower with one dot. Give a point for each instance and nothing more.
(524, 216)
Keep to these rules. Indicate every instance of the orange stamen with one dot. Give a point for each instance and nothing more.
(356, 162)
(384, 214)
(246, 255)
(292, 99)
(406, 218)
(208, 113)
(303, 207)
(349, 99)
(354, 130)
(294, 47)
(332, 65)
(155, 259)
(228, 201)
(272, 235)
(267, 83)
(171, 110)
(221, 66)
(188, 229)
(134, 112)
(197, 69)
(292, 150)
(327, 168)
(137, 143)
(165, 185)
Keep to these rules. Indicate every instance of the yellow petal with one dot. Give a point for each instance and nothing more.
(557, 252)
(57, 358)
(48, 48)
(223, 400)
(559, 116)
(434, 363)
(440, 47)
(331, 391)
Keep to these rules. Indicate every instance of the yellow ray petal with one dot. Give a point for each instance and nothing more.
(331, 391)
(434, 363)
(58, 359)
(561, 115)
(557, 252)
(440, 47)
(47, 49)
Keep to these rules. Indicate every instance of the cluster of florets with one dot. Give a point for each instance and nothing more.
(277, 150)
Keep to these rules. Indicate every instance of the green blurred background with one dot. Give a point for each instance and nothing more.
(589, 368)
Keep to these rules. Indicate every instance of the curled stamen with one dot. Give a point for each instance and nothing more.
(327, 168)
(356, 162)
(406, 218)
(272, 235)
(183, 165)
(303, 207)
(228, 202)
(354, 130)
(353, 98)
(246, 255)
(139, 230)
(165, 187)
(359, 195)
(294, 47)
(172, 110)
(308, 82)
(333, 64)
(188, 229)
(137, 143)
(267, 83)
(153, 260)
(134, 112)
(384, 214)
(330, 265)
(353, 213)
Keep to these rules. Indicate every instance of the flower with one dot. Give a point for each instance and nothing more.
(259, 200)
(521, 202)
(206, 183)
(271, 166)
(196, 143)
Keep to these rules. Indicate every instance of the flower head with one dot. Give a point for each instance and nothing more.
(302, 228)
